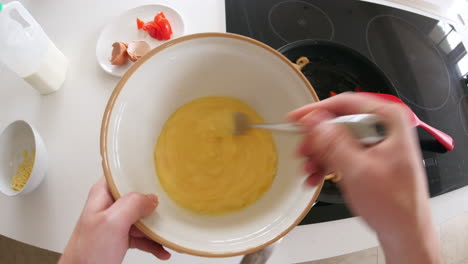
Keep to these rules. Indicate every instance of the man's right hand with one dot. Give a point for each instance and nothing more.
(385, 183)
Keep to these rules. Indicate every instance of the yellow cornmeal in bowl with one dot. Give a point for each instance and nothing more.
(203, 167)
(24, 171)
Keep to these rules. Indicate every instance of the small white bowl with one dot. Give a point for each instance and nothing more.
(18, 137)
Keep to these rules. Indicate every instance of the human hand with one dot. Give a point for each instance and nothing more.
(105, 230)
(384, 183)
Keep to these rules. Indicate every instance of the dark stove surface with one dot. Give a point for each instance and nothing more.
(418, 54)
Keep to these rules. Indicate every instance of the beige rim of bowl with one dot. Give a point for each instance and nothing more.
(105, 160)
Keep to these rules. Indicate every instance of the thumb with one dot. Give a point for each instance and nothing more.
(334, 147)
(131, 207)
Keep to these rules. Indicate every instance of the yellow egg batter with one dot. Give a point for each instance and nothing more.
(203, 167)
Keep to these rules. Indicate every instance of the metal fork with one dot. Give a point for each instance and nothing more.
(367, 128)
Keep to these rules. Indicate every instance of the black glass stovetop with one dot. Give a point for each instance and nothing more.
(418, 54)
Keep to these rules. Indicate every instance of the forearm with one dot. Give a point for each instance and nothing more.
(68, 258)
(412, 246)
(71, 253)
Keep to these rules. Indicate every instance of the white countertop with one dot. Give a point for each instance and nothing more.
(69, 121)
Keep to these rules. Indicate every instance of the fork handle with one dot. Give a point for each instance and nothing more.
(367, 128)
(288, 127)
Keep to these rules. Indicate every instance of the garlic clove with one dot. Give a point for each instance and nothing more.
(137, 49)
(119, 53)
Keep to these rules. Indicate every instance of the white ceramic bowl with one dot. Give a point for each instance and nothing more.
(174, 74)
(18, 137)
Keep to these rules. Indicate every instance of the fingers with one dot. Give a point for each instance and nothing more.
(309, 122)
(395, 118)
(333, 147)
(319, 134)
(99, 197)
(139, 240)
(149, 246)
(311, 166)
(135, 232)
(316, 148)
(342, 104)
(130, 208)
(315, 178)
(315, 172)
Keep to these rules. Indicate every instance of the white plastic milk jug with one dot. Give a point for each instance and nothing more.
(26, 49)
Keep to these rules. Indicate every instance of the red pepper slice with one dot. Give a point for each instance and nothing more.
(149, 25)
(159, 28)
(159, 17)
(358, 89)
(166, 30)
(155, 31)
(140, 23)
(332, 93)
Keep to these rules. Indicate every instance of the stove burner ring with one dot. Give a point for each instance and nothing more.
(437, 96)
(463, 112)
(297, 20)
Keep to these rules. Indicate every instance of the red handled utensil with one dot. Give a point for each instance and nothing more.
(444, 139)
